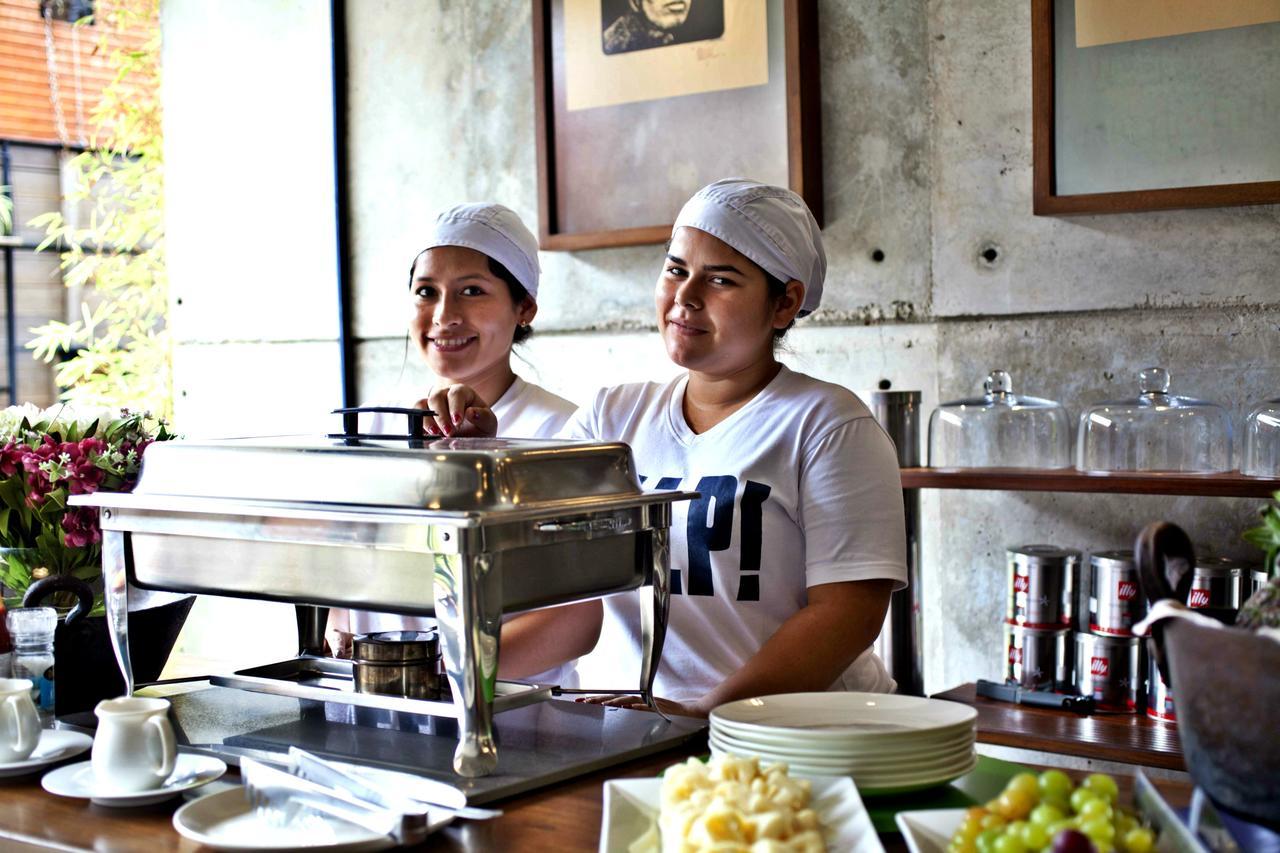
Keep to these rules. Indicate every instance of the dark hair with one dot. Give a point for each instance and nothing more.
(517, 290)
(777, 290)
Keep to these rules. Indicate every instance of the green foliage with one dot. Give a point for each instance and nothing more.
(47, 456)
(6, 211)
(123, 351)
(1267, 535)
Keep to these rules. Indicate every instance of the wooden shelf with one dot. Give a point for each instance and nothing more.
(1232, 485)
(1129, 738)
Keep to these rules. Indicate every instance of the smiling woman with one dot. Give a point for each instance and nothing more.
(474, 295)
(781, 570)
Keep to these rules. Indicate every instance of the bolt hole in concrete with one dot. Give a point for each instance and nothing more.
(885, 384)
(989, 254)
(877, 255)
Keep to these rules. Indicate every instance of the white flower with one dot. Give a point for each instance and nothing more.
(11, 417)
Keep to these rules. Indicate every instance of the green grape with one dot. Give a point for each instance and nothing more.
(1100, 831)
(1096, 810)
(1027, 783)
(985, 842)
(1035, 835)
(1079, 797)
(1009, 843)
(1057, 826)
(1054, 785)
(992, 821)
(1047, 814)
(1102, 785)
(1015, 804)
(1140, 839)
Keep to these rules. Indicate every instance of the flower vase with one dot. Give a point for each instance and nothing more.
(85, 670)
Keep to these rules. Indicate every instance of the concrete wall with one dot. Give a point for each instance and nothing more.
(927, 149)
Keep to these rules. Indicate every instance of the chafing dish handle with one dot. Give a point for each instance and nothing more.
(351, 420)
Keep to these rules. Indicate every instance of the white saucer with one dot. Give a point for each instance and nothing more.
(226, 821)
(55, 745)
(77, 780)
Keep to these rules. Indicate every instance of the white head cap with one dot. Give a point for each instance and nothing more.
(770, 225)
(492, 230)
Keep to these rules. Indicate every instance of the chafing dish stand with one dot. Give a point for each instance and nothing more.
(464, 530)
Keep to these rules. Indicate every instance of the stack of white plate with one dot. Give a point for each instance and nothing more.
(888, 743)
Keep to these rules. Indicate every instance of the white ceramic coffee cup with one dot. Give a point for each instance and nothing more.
(134, 748)
(19, 721)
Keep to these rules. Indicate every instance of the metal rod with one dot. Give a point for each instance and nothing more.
(899, 414)
(341, 201)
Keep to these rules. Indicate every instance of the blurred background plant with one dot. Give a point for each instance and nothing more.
(119, 352)
(1267, 535)
(6, 212)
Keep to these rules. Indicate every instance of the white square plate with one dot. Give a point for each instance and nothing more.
(631, 807)
(929, 830)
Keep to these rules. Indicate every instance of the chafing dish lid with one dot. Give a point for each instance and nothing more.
(450, 474)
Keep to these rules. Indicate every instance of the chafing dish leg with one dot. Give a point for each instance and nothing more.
(468, 606)
(115, 583)
(653, 613)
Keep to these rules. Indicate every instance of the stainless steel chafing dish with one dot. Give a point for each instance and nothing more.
(462, 529)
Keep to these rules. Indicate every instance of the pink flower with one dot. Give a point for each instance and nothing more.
(80, 526)
(11, 459)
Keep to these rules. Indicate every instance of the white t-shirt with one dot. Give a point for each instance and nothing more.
(799, 487)
(524, 411)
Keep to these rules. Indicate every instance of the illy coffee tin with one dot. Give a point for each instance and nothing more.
(1257, 580)
(1110, 670)
(1218, 583)
(1041, 586)
(1115, 602)
(1159, 702)
(1036, 658)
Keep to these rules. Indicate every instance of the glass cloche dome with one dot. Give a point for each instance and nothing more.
(1000, 430)
(1157, 431)
(1262, 441)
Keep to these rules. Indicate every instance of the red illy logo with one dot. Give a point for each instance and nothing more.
(1099, 667)
(1021, 583)
(1015, 654)
(1199, 598)
(1126, 590)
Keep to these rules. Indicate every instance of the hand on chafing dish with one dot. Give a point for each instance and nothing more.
(459, 413)
(637, 703)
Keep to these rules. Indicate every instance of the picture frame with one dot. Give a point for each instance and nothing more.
(615, 174)
(1048, 195)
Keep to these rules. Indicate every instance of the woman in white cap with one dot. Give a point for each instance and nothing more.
(474, 290)
(782, 570)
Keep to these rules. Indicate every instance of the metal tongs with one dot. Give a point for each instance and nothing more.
(310, 782)
(280, 792)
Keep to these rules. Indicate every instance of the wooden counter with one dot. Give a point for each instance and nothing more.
(1127, 738)
(564, 817)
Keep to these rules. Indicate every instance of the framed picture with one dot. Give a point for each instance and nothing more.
(1154, 104)
(642, 102)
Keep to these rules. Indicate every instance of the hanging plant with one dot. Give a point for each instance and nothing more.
(119, 352)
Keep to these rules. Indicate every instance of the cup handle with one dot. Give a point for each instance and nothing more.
(168, 745)
(11, 703)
